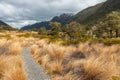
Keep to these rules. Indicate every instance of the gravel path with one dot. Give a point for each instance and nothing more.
(33, 70)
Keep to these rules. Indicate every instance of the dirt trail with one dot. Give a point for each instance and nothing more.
(33, 70)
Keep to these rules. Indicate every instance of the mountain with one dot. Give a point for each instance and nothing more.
(87, 17)
(63, 19)
(5, 26)
(86, 13)
(111, 5)
(93, 14)
(37, 25)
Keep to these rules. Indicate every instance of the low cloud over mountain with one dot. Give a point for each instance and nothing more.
(22, 12)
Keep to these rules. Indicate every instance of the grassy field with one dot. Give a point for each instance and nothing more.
(84, 61)
(11, 65)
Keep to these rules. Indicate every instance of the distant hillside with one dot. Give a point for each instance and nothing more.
(4, 26)
(88, 17)
(63, 19)
(91, 15)
(86, 13)
(37, 25)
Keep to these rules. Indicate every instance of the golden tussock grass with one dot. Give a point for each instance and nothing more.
(56, 67)
(10, 61)
(2, 42)
(15, 74)
(55, 54)
(14, 48)
(3, 66)
(33, 48)
(11, 68)
(43, 60)
(24, 43)
(86, 61)
(42, 42)
(37, 53)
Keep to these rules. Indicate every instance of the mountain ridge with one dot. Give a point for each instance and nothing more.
(92, 14)
(88, 17)
(63, 19)
(5, 26)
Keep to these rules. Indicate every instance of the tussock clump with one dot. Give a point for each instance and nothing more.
(11, 68)
(37, 53)
(33, 48)
(14, 48)
(56, 67)
(55, 54)
(15, 74)
(3, 66)
(43, 60)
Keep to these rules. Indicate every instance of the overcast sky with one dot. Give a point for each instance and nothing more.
(19, 13)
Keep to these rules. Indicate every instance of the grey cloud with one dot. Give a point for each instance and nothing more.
(22, 12)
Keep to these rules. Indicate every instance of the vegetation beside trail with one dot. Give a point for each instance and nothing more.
(10, 61)
(86, 61)
(85, 46)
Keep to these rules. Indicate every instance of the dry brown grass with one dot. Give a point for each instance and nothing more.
(11, 68)
(15, 74)
(85, 62)
(55, 68)
(10, 61)
(43, 60)
(3, 66)
(33, 48)
(55, 52)
(14, 48)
